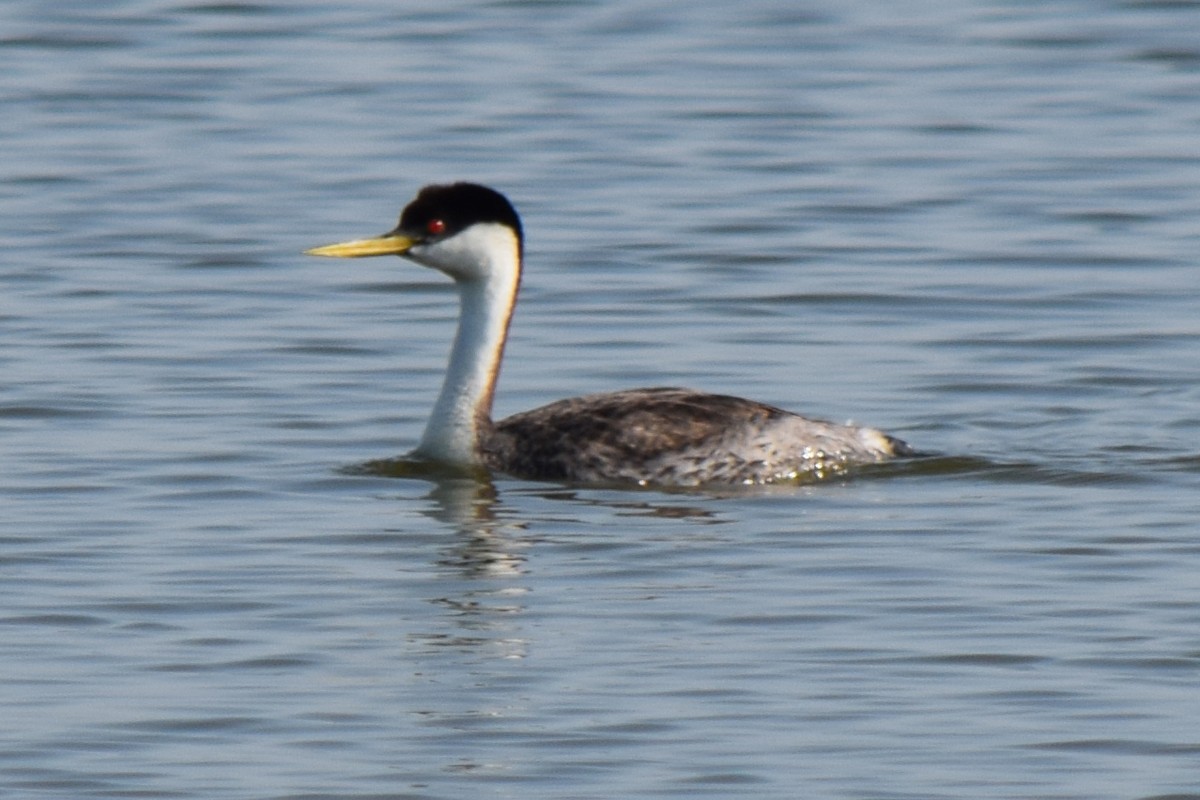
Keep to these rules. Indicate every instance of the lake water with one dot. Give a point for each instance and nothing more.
(973, 224)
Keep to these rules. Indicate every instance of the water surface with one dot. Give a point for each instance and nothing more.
(973, 225)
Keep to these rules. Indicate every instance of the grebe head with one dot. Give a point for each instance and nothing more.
(472, 234)
(463, 229)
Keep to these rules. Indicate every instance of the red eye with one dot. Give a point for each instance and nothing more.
(435, 227)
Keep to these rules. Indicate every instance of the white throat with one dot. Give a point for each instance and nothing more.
(485, 262)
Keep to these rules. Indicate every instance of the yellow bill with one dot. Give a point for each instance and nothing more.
(388, 245)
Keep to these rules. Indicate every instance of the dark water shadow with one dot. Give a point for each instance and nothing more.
(450, 483)
(922, 465)
(1102, 471)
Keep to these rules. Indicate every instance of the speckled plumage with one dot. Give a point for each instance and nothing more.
(677, 437)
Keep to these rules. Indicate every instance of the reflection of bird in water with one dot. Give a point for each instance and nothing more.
(659, 436)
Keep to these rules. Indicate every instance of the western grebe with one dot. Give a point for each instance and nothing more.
(660, 436)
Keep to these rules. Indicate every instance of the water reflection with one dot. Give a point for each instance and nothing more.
(635, 508)
(479, 573)
(465, 499)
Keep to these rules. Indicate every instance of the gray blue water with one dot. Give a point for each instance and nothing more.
(973, 224)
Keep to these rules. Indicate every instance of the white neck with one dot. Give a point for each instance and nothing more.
(486, 265)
